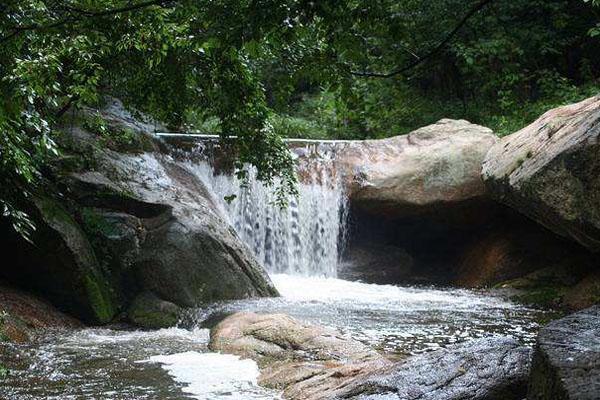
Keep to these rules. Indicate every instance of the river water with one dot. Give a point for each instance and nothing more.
(300, 248)
(175, 363)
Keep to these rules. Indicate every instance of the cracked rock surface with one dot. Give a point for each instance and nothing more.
(566, 362)
(312, 363)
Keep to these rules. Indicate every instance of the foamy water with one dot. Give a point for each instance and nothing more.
(175, 363)
(209, 376)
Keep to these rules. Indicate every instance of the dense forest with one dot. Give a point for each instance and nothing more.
(262, 70)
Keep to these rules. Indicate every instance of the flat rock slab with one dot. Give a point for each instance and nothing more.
(484, 369)
(566, 362)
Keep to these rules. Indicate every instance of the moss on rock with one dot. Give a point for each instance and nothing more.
(149, 311)
(100, 298)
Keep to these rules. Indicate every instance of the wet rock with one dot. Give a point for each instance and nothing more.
(22, 314)
(127, 219)
(485, 369)
(179, 245)
(550, 171)
(309, 362)
(149, 311)
(566, 361)
(185, 251)
(430, 167)
(310, 380)
(277, 337)
(305, 361)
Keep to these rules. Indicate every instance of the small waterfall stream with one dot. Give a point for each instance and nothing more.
(305, 238)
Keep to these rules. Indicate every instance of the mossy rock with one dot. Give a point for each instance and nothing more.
(149, 311)
(60, 265)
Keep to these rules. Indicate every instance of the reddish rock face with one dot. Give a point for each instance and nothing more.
(550, 171)
(21, 314)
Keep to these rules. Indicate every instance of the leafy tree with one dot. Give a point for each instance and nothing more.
(406, 64)
(162, 57)
(348, 68)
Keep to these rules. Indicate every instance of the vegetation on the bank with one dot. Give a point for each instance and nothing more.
(265, 68)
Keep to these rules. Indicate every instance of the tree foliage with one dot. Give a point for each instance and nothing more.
(161, 57)
(347, 68)
(410, 63)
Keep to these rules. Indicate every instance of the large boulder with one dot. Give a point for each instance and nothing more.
(185, 252)
(163, 221)
(432, 166)
(550, 171)
(566, 361)
(121, 217)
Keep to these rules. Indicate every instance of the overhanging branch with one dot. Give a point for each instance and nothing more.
(83, 14)
(478, 7)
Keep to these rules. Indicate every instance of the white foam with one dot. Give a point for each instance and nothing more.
(210, 376)
(104, 336)
(338, 291)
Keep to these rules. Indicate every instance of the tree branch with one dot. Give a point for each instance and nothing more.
(85, 14)
(478, 7)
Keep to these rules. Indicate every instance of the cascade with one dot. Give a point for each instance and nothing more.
(306, 237)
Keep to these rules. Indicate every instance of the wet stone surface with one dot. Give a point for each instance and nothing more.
(566, 362)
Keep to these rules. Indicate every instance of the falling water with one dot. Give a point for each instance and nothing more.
(304, 238)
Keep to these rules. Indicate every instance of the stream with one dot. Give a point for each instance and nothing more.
(175, 363)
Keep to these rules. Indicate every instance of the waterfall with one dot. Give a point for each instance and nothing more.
(305, 238)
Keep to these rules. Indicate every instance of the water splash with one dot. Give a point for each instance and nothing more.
(306, 238)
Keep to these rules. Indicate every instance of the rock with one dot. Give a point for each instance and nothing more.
(482, 369)
(550, 171)
(60, 264)
(513, 247)
(149, 311)
(566, 361)
(303, 360)
(277, 337)
(309, 362)
(185, 251)
(22, 314)
(125, 220)
(430, 167)
(585, 293)
(311, 380)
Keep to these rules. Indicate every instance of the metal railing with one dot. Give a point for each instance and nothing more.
(207, 137)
